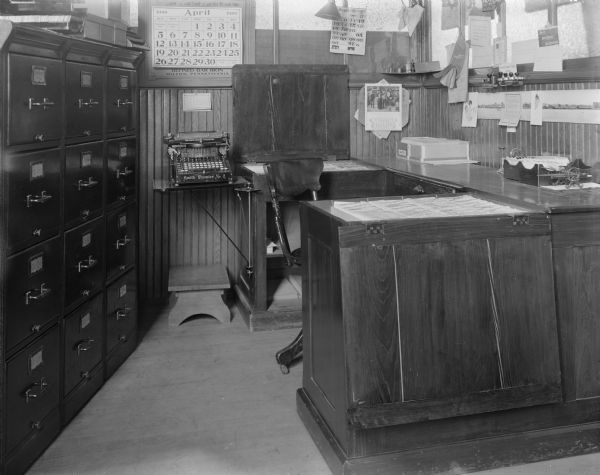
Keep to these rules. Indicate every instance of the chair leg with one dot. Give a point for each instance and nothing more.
(290, 354)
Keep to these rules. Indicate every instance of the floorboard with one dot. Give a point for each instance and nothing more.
(208, 398)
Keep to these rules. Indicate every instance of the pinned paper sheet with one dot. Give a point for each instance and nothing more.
(469, 114)
(480, 34)
(349, 35)
(512, 110)
(414, 15)
(500, 50)
(537, 106)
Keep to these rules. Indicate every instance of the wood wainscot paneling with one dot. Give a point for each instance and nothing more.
(176, 229)
(431, 115)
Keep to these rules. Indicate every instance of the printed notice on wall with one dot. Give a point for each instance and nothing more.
(349, 35)
(196, 37)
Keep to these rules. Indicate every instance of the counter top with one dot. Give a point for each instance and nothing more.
(488, 180)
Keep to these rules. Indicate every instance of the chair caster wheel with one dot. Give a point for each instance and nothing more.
(284, 369)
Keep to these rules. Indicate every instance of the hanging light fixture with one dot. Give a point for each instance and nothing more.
(329, 11)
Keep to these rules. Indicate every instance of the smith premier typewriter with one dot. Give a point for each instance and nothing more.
(198, 159)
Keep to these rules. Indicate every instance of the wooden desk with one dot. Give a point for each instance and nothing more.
(421, 357)
(270, 299)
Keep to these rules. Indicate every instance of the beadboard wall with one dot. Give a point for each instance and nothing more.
(175, 228)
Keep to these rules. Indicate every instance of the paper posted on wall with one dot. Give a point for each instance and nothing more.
(383, 107)
(511, 112)
(349, 35)
(469, 115)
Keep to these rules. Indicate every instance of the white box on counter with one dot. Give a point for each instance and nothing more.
(427, 149)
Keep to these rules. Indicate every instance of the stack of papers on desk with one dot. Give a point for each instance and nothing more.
(423, 207)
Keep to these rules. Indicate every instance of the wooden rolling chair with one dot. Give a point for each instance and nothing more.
(290, 179)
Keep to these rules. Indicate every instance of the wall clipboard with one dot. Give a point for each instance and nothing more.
(195, 44)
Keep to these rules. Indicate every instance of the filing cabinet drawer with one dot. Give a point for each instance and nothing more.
(33, 290)
(120, 239)
(121, 101)
(121, 310)
(35, 100)
(83, 332)
(84, 261)
(84, 101)
(120, 352)
(35, 444)
(83, 182)
(32, 386)
(33, 197)
(120, 171)
(83, 393)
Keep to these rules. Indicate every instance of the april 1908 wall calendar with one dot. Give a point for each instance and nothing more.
(188, 37)
(196, 43)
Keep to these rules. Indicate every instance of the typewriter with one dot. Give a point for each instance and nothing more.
(198, 158)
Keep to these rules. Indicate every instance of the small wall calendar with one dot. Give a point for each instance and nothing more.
(196, 37)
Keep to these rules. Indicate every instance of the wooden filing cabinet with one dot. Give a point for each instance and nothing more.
(68, 220)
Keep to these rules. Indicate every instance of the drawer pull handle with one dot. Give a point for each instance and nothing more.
(122, 312)
(125, 102)
(86, 264)
(81, 103)
(36, 390)
(44, 104)
(122, 242)
(41, 198)
(89, 183)
(84, 345)
(39, 138)
(36, 328)
(125, 172)
(37, 425)
(35, 294)
(123, 338)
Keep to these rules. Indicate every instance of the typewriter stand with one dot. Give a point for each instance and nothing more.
(198, 290)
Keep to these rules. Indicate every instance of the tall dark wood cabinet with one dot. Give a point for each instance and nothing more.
(68, 224)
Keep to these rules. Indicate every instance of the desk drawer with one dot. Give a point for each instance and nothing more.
(84, 261)
(33, 197)
(35, 99)
(83, 342)
(120, 238)
(120, 171)
(83, 182)
(85, 100)
(33, 290)
(32, 386)
(121, 310)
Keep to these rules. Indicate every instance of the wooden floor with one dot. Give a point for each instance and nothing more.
(208, 398)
